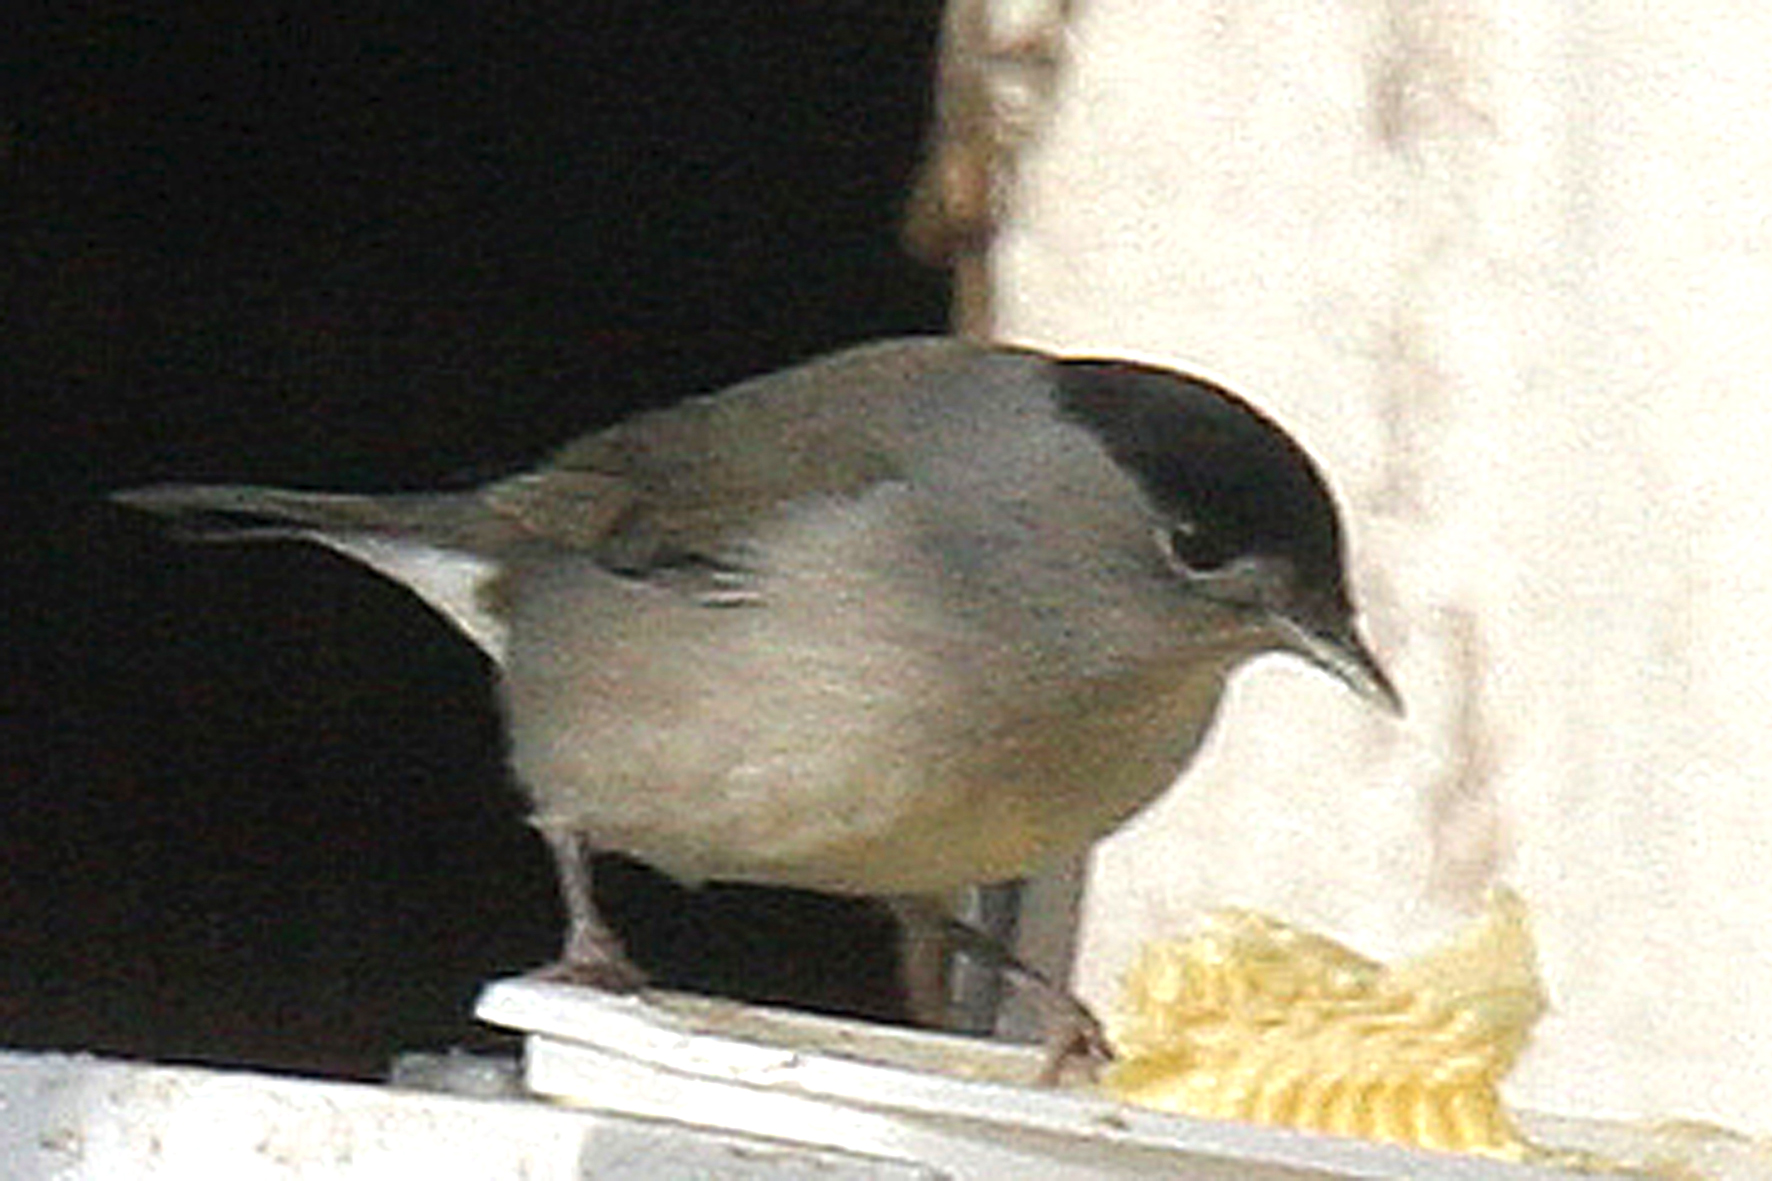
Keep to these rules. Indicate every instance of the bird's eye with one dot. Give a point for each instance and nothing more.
(1195, 550)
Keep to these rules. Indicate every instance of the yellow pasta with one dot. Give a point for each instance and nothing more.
(1256, 1020)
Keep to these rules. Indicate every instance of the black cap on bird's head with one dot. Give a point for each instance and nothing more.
(1246, 517)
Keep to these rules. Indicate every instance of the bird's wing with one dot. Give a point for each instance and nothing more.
(689, 487)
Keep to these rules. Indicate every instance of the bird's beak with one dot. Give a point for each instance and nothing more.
(1332, 643)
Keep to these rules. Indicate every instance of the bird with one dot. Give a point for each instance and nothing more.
(917, 615)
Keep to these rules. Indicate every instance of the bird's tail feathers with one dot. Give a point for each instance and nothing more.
(441, 546)
(247, 512)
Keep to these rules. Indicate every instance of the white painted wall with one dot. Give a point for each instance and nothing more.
(1506, 269)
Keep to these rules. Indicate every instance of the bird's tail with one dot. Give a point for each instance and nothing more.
(443, 547)
(242, 512)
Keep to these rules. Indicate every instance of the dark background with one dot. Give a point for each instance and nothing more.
(252, 805)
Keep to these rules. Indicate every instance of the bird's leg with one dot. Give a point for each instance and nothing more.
(923, 958)
(1074, 1037)
(593, 954)
(943, 991)
(975, 984)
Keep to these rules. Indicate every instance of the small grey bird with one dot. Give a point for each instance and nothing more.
(914, 616)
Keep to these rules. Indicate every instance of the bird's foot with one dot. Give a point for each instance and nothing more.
(593, 957)
(617, 974)
(1076, 1045)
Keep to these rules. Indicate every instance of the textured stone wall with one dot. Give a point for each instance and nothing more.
(1507, 271)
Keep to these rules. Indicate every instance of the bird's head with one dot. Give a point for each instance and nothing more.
(1239, 512)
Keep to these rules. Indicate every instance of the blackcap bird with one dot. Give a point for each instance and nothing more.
(918, 615)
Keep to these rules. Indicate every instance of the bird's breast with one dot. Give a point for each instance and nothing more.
(881, 717)
(851, 746)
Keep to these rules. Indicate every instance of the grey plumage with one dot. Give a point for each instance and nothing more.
(913, 616)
